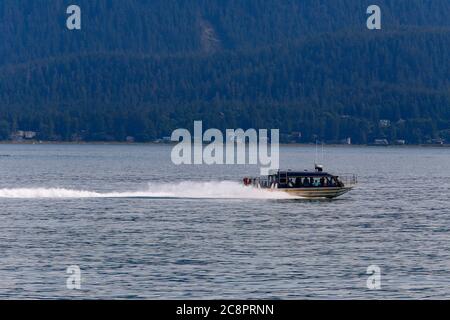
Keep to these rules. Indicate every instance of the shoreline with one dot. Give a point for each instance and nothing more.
(33, 142)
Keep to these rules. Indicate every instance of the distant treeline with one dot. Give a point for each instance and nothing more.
(144, 69)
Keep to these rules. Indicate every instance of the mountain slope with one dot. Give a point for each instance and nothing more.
(144, 69)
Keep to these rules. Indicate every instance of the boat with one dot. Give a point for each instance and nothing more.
(305, 184)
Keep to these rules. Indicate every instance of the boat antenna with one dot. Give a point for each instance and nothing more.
(315, 155)
(317, 166)
(323, 153)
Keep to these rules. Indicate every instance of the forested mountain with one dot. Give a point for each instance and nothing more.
(143, 68)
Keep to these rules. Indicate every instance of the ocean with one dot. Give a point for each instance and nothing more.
(140, 227)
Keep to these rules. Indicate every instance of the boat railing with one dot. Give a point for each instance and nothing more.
(349, 180)
(259, 182)
(262, 182)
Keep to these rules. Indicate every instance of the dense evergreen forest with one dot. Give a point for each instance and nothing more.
(144, 68)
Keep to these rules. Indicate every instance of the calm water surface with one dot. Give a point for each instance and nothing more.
(140, 227)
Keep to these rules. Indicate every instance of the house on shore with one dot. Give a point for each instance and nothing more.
(21, 135)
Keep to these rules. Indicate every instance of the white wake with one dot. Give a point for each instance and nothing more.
(186, 189)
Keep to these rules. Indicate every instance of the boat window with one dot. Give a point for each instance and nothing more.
(331, 182)
(315, 182)
(322, 182)
(306, 182)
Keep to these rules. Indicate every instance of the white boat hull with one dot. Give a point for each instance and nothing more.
(312, 193)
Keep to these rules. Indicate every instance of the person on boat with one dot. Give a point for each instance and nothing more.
(306, 182)
(333, 182)
(291, 183)
(329, 182)
(322, 182)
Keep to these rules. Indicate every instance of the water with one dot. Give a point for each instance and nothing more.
(140, 227)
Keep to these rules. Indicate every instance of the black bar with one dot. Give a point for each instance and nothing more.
(228, 309)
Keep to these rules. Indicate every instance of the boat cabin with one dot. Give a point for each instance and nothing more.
(304, 179)
(296, 179)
